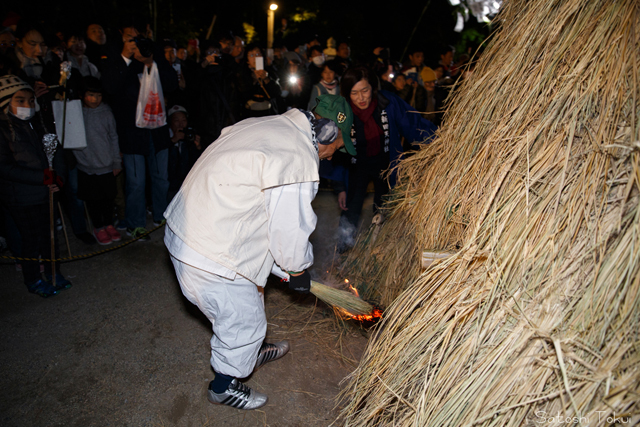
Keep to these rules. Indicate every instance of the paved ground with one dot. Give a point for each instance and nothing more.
(123, 347)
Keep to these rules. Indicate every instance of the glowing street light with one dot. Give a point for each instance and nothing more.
(270, 18)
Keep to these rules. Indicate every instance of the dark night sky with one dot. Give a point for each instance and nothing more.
(365, 26)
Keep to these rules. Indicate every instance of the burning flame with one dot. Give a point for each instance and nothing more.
(371, 317)
(375, 315)
(354, 290)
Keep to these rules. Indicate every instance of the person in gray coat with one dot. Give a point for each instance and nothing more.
(99, 162)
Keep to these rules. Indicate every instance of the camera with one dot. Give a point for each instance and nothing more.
(145, 46)
(189, 134)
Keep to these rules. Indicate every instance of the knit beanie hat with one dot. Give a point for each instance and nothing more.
(336, 108)
(428, 75)
(9, 85)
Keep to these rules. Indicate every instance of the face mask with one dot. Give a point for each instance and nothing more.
(318, 60)
(24, 113)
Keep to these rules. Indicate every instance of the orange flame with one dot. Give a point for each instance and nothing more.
(354, 290)
(373, 316)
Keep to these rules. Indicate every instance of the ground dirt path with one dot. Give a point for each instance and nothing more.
(123, 347)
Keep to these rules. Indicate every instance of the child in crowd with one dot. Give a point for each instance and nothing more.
(99, 162)
(26, 180)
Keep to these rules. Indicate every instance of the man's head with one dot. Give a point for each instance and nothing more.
(170, 50)
(96, 34)
(182, 53)
(429, 78)
(227, 42)
(193, 47)
(336, 108)
(237, 51)
(417, 58)
(446, 55)
(344, 51)
(129, 33)
(177, 118)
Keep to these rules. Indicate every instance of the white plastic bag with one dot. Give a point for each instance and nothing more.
(150, 113)
(74, 133)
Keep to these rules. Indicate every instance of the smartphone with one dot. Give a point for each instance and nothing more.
(259, 63)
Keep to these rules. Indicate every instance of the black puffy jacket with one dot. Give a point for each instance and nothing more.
(23, 161)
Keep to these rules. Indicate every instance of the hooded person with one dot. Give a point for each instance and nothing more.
(243, 211)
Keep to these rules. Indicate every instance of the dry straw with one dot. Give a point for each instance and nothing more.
(341, 299)
(534, 183)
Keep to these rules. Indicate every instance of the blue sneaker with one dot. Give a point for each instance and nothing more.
(61, 282)
(42, 288)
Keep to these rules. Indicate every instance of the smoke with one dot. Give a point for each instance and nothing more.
(345, 235)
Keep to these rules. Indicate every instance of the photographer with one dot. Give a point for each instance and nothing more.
(141, 147)
(184, 151)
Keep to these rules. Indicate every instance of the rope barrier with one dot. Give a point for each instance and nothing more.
(85, 256)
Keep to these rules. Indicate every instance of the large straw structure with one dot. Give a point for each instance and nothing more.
(534, 183)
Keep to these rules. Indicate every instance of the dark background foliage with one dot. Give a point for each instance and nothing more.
(361, 23)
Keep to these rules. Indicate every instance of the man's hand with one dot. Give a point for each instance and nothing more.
(116, 172)
(210, 60)
(129, 48)
(50, 178)
(301, 282)
(342, 200)
(196, 142)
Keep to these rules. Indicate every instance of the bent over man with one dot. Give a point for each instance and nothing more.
(245, 206)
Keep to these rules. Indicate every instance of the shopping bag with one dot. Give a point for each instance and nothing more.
(150, 112)
(74, 135)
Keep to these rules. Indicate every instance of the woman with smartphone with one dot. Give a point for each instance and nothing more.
(258, 86)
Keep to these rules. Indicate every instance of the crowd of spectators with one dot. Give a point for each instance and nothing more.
(127, 172)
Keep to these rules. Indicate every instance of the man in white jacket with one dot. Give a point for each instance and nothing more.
(243, 210)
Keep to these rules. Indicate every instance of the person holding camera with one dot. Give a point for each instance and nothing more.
(142, 147)
(184, 151)
(258, 86)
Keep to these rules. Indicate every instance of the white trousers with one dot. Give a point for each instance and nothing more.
(236, 311)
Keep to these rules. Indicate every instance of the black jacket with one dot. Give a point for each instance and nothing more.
(23, 161)
(122, 84)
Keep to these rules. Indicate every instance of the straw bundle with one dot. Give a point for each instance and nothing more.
(341, 299)
(534, 183)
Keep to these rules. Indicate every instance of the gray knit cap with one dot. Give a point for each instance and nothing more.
(9, 85)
